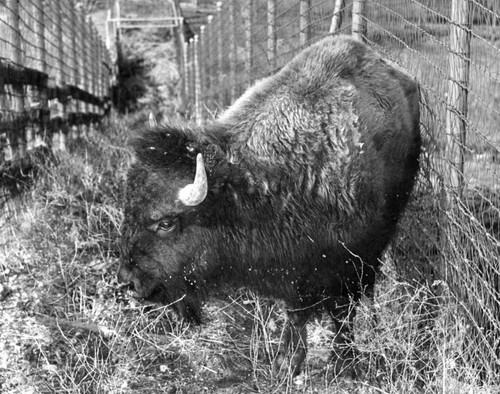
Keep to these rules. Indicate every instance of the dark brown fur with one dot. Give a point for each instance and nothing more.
(308, 174)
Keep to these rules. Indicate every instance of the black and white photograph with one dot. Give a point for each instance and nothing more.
(250, 196)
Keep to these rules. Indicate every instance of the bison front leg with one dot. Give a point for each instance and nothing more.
(293, 349)
(342, 313)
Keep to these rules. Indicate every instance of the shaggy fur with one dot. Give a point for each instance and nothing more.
(308, 174)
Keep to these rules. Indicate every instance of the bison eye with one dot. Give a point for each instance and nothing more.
(167, 225)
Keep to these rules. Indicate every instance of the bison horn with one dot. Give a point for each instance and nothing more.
(194, 193)
(152, 120)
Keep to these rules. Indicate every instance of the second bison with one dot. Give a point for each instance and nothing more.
(297, 191)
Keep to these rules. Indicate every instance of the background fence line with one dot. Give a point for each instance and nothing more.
(55, 75)
(451, 232)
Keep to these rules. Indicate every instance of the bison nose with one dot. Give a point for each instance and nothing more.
(124, 274)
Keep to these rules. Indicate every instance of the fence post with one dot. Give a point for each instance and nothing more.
(73, 22)
(116, 8)
(107, 32)
(82, 58)
(191, 76)
(248, 25)
(91, 55)
(180, 46)
(94, 69)
(85, 106)
(358, 19)
(17, 100)
(40, 53)
(458, 85)
(201, 61)
(197, 81)
(99, 73)
(220, 37)
(59, 103)
(271, 33)
(105, 77)
(337, 16)
(185, 65)
(40, 65)
(232, 51)
(210, 58)
(305, 26)
(74, 66)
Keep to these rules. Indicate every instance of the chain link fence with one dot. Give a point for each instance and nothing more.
(451, 232)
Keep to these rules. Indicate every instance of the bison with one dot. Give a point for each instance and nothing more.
(297, 190)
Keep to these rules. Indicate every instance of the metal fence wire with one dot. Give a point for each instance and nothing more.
(55, 77)
(54, 69)
(451, 231)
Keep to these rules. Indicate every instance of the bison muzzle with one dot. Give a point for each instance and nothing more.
(293, 192)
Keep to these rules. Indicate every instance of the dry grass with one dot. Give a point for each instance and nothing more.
(67, 327)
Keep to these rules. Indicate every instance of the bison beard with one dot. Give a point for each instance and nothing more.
(298, 189)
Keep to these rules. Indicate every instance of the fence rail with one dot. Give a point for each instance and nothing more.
(55, 74)
(452, 229)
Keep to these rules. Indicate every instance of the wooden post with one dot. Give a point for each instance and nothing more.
(185, 65)
(107, 78)
(107, 30)
(305, 26)
(90, 69)
(60, 77)
(17, 99)
(458, 86)
(248, 14)
(117, 16)
(180, 45)
(220, 38)
(358, 19)
(75, 77)
(271, 33)
(197, 81)
(210, 59)
(95, 64)
(14, 38)
(80, 34)
(40, 65)
(232, 51)
(201, 62)
(100, 74)
(104, 77)
(207, 58)
(190, 75)
(40, 53)
(85, 69)
(59, 136)
(337, 15)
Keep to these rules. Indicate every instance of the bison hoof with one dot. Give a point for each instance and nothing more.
(284, 365)
(343, 365)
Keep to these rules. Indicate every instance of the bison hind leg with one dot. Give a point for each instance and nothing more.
(293, 349)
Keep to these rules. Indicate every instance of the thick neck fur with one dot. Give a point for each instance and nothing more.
(172, 146)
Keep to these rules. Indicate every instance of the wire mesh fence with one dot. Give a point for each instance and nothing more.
(453, 49)
(55, 72)
(55, 78)
(452, 228)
